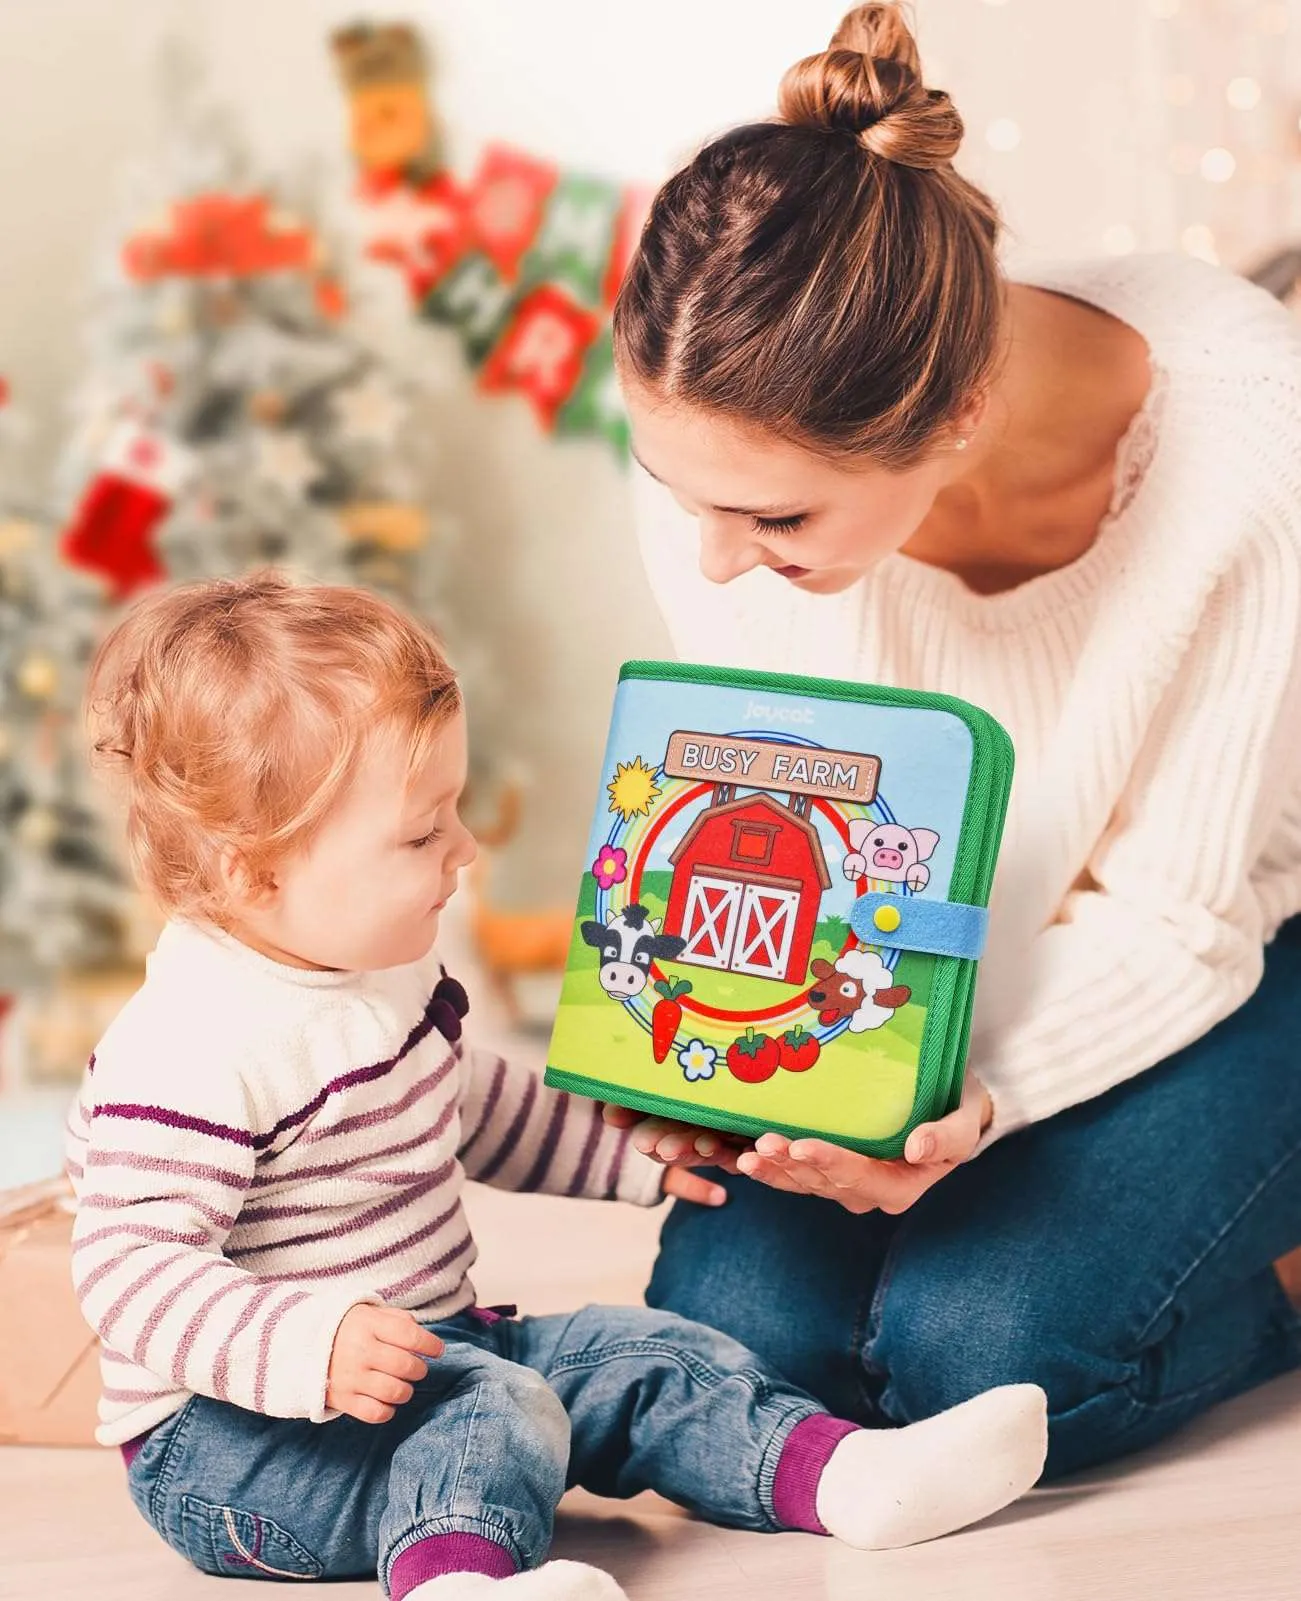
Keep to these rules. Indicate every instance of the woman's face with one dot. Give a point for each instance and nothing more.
(762, 502)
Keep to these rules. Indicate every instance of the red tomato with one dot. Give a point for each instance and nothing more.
(753, 1057)
(798, 1050)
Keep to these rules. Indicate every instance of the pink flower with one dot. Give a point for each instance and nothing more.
(610, 867)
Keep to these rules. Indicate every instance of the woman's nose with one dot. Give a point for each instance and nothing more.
(726, 553)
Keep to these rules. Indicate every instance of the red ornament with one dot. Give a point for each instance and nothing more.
(542, 351)
(111, 531)
(331, 300)
(218, 235)
(505, 205)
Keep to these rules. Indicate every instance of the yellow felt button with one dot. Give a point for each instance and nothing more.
(887, 918)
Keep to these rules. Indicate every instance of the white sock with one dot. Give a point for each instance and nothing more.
(554, 1581)
(889, 1487)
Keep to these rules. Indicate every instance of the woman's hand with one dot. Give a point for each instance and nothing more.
(817, 1167)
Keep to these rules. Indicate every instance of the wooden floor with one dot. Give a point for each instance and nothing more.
(1214, 1515)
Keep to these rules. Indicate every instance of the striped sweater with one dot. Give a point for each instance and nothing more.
(256, 1149)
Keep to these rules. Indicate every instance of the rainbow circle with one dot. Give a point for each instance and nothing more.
(637, 836)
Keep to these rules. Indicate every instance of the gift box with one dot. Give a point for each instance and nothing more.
(49, 1358)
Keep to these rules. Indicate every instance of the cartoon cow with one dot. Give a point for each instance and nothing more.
(886, 850)
(629, 942)
(860, 987)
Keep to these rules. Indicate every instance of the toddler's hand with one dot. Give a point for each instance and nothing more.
(378, 1355)
(680, 1146)
(687, 1186)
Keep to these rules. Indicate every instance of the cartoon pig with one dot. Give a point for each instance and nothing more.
(889, 851)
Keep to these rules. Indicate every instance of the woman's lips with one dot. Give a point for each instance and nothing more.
(792, 572)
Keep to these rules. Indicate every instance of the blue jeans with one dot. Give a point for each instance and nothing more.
(618, 1400)
(1118, 1255)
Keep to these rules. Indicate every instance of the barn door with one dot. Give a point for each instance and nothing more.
(709, 922)
(765, 930)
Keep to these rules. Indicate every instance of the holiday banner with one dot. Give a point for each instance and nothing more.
(523, 260)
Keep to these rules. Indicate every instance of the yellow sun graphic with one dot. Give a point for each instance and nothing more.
(633, 789)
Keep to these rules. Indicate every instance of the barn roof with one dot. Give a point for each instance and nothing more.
(784, 815)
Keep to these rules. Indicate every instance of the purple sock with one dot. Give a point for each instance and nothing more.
(448, 1553)
(806, 1453)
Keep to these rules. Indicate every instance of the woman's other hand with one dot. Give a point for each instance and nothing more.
(862, 1183)
(818, 1167)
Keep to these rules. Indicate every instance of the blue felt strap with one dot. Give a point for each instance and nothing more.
(939, 928)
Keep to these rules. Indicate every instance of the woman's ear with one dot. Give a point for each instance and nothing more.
(971, 416)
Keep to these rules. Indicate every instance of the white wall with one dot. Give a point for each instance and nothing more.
(606, 84)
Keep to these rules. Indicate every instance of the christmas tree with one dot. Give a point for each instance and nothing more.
(64, 902)
(232, 415)
(229, 417)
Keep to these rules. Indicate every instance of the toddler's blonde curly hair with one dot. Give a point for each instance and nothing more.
(234, 712)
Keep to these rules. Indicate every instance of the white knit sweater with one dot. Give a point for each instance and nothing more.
(255, 1149)
(1151, 688)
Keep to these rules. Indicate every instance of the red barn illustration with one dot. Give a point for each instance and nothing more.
(748, 880)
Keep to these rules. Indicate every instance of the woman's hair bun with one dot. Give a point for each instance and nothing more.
(868, 84)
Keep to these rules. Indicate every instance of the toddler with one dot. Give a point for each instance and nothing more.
(271, 1141)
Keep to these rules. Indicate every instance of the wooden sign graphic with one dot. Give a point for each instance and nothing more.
(761, 764)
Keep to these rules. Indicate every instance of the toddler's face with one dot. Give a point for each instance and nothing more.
(368, 891)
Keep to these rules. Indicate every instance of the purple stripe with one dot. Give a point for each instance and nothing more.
(145, 1231)
(221, 1365)
(283, 1177)
(540, 1170)
(133, 1112)
(336, 1270)
(347, 1165)
(809, 1447)
(616, 1165)
(186, 1343)
(104, 1327)
(168, 1166)
(136, 1112)
(430, 1270)
(264, 1345)
(448, 1553)
(160, 1311)
(489, 1105)
(506, 1149)
(74, 1170)
(578, 1184)
(132, 1397)
(363, 1220)
(385, 1114)
(116, 1203)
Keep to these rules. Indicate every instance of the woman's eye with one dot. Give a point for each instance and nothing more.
(425, 839)
(777, 525)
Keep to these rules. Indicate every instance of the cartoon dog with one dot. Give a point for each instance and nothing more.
(860, 987)
(629, 942)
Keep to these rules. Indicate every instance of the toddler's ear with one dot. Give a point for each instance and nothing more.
(241, 886)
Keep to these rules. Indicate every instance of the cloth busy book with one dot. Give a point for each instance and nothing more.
(781, 922)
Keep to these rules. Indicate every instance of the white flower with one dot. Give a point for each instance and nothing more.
(696, 1059)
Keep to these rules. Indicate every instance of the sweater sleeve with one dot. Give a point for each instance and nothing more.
(159, 1184)
(1164, 936)
(518, 1134)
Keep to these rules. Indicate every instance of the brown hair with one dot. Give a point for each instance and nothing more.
(237, 711)
(826, 276)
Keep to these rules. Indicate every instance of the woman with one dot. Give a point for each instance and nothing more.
(1076, 501)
